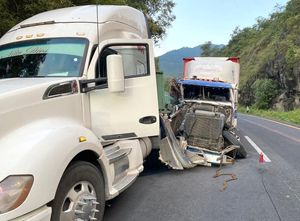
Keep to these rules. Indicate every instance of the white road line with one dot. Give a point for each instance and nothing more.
(266, 158)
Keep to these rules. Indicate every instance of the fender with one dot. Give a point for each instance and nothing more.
(43, 149)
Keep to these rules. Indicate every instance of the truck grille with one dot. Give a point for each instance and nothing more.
(204, 129)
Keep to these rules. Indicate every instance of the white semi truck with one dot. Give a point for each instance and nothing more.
(78, 107)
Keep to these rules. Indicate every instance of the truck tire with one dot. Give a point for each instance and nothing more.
(231, 138)
(80, 194)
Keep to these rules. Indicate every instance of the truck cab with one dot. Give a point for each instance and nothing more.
(78, 111)
(212, 82)
(201, 125)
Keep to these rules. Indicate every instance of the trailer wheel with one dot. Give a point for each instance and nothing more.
(231, 138)
(80, 194)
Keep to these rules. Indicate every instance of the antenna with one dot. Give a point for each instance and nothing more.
(98, 38)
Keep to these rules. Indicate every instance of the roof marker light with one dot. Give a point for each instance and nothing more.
(40, 35)
(80, 33)
(19, 37)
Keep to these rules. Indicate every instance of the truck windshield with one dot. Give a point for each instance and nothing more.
(59, 57)
(206, 93)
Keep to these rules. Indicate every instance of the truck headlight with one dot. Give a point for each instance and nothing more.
(13, 192)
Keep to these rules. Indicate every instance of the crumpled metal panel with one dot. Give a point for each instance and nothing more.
(168, 156)
(204, 129)
(204, 124)
(214, 157)
(210, 144)
(173, 146)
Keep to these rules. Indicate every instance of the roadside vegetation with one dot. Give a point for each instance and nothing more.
(288, 116)
(269, 54)
(270, 59)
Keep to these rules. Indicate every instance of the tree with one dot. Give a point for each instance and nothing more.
(158, 12)
(265, 90)
(7, 19)
(208, 49)
(101, 2)
(14, 11)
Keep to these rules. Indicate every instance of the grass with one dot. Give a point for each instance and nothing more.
(289, 116)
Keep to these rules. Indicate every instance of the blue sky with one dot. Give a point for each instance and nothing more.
(198, 21)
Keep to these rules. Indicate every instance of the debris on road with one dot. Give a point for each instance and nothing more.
(225, 183)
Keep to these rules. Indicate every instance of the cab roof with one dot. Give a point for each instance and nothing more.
(88, 14)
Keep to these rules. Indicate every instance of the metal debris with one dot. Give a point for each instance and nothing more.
(177, 153)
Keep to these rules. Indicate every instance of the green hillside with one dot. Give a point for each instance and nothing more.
(171, 63)
(270, 59)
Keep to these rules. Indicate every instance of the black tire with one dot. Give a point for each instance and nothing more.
(79, 173)
(231, 138)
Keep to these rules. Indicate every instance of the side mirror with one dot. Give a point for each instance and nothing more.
(115, 73)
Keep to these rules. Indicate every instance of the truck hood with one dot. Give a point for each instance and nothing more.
(26, 118)
(11, 85)
(19, 97)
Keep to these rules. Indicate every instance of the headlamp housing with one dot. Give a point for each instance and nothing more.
(14, 191)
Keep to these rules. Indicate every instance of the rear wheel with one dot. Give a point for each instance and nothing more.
(80, 194)
(232, 139)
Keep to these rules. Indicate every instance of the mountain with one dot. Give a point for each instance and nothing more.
(171, 62)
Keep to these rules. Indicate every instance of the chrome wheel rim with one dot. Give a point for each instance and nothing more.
(80, 203)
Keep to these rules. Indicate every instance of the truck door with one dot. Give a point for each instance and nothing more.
(134, 112)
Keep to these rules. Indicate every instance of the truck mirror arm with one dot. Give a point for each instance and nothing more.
(92, 84)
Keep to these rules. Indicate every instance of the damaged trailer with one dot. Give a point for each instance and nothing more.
(201, 129)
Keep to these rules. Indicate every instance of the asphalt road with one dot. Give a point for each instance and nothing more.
(269, 191)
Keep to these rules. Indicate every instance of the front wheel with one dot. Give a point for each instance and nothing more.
(80, 194)
(231, 138)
